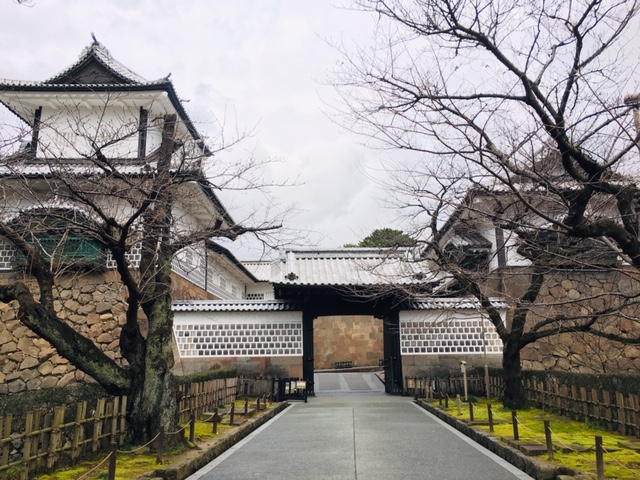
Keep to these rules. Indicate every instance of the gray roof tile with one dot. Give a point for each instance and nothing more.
(235, 306)
(344, 266)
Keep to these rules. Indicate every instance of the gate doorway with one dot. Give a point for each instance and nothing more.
(348, 382)
(348, 341)
(319, 303)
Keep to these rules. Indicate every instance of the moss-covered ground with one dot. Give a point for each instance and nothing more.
(568, 437)
(130, 466)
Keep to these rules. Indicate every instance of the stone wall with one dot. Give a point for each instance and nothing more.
(358, 339)
(579, 293)
(93, 304)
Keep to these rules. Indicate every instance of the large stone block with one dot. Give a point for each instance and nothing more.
(104, 338)
(9, 366)
(59, 360)
(103, 307)
(34, 384)
(16, 386)
(66, 380)
(8, 347)
(59, 370)
(49, 382)
(29, 362)
(86, 309)
(45, 368)
(71, 305)
(6, 337)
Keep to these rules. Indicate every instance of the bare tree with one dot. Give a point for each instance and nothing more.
(489, 245)
(520, 97)
(87, 190)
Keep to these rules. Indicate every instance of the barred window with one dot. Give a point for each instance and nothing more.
(231, 339)
(454, 336)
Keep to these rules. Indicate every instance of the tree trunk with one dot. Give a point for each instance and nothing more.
(155, 404)
(155, 391)
(514, 393)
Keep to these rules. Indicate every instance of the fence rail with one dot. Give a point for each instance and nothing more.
(205, 396)
(49, 435)
(256, 387)
(440, 386)
(70, 432)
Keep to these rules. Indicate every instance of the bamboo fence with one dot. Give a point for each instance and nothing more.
(614, 411)
(68, 433)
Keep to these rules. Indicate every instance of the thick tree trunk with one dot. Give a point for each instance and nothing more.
(155, 392)
(156, 395)
(514, 393)
(155, 404)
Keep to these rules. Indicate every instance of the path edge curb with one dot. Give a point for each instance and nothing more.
(182, 471)
(537, 469)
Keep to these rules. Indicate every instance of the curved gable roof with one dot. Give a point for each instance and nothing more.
(96, 65)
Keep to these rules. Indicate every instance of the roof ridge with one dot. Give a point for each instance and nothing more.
(104, 57)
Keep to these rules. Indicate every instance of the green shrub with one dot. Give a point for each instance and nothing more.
(46, 399)
(207, 375)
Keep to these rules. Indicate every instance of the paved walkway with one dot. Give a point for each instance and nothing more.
(352, 430)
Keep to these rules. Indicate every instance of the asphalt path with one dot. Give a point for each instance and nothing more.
(352, 430)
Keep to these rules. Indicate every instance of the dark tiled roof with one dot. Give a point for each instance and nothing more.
(467, 303)
(235, 306)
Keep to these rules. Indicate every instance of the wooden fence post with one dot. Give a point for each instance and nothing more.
(5, 434)
(622, 414)
(26, 447)
(547, 437)
(514, 420)
(607, 409)
(599, 458)
(112, 461)
(97, 424)
(56, 437)
(636, 414)
(490, 413)
(160, 445)
(471, 415)
(232, 413)
(192, 428)
(123, 420)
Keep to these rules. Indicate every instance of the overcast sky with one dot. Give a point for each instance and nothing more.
(261, 64)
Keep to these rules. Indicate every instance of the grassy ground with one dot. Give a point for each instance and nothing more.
(568, 438)
(133, 461)
(620, 463)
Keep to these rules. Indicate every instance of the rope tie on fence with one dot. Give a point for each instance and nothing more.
(174, 433)
(142, 446)
(561, 443)
(209, 419)
(618, 461)
(86, 474)
(535, 440)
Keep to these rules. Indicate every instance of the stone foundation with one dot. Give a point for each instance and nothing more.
(93, 304)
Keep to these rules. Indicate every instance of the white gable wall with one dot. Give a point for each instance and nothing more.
(447, 332)
(238, 334)
(513, 258)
